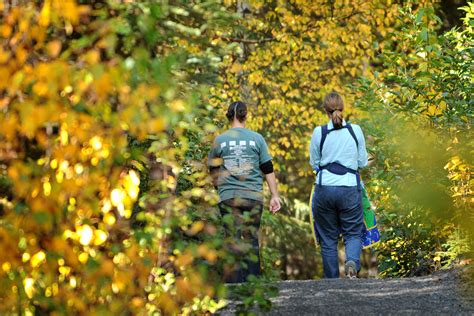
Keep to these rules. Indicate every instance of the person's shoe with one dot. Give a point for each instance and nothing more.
(351, 270)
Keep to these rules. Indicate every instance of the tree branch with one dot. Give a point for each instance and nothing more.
(245, 40)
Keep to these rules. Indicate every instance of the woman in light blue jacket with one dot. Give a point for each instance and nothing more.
(337, 152)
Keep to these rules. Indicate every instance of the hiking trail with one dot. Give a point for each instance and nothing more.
(440, 293)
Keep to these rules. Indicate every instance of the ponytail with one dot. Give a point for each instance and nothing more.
(334, 106)
(336, 118)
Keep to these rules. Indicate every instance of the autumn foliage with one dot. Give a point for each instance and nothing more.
(81, 85)
(107, 109)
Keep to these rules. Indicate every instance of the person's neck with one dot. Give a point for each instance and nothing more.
(237, 124)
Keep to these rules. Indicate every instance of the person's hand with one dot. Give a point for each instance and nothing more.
(275, 204)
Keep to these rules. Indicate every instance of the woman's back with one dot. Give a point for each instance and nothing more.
(339, 146)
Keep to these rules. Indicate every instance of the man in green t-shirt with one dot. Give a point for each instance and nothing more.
(238, 161)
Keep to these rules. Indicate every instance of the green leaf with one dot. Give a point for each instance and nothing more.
(419, 15)
(424, 35)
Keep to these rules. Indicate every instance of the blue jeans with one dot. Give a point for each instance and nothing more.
(243, 230)
(336, 210)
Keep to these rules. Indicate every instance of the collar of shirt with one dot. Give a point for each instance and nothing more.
(331, 125)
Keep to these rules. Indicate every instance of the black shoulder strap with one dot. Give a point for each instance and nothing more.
(351, 130)
(324, 133)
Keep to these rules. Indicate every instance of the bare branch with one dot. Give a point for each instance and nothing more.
(246, 41)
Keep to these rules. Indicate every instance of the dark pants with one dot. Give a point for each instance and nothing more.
(338, 209)
(241, 218)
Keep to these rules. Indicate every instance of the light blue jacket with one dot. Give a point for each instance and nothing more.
(339, 147)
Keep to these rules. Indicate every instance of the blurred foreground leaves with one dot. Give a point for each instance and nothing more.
(107, 110)
(419, 113)
(97, 102)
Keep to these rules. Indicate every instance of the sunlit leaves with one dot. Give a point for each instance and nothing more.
(459, 172)
(301, 51)
(28, 283)
(425, 79)
(79, 85)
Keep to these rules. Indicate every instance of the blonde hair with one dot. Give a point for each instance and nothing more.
(334, 105)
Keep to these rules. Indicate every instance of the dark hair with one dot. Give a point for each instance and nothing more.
(237, 110)
(334, 105)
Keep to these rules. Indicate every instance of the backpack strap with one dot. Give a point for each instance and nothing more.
(351, 130)
(339, 169)
(324, 134)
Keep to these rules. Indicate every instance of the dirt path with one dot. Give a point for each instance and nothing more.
(443, 293)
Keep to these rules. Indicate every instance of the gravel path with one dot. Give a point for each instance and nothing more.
(443, 293)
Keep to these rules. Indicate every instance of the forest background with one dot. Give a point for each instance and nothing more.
(108, 109)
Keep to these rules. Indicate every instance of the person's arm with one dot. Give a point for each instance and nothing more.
(314, 154)
(267, 169)
(275, 199)
(362, 159)
(266, 166)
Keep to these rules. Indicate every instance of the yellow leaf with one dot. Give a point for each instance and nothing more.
(4, 56)
(236, 67)
(353, 72)
(137, 302)
(21, 55)
(96, 142)
(99, 237)
(54, 48)
(103, 85)
(196, 228)
(93, 57)
(45, 14)
(117, 196)
(156, 125)
(442, 105)
(5, 30)
(47, 188)
(37, 259)
(209, 254)
(29, 285)
(83, 257)
(184, 260)
(132, 183)
(6, 266)
(434, 110)
(69, 10)
(109, 219)
(85, 234)
(41, 88)
(177, 105)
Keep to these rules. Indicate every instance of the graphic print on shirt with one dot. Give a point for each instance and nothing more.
(238, 160)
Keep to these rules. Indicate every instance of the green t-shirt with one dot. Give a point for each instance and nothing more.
(239, 153)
